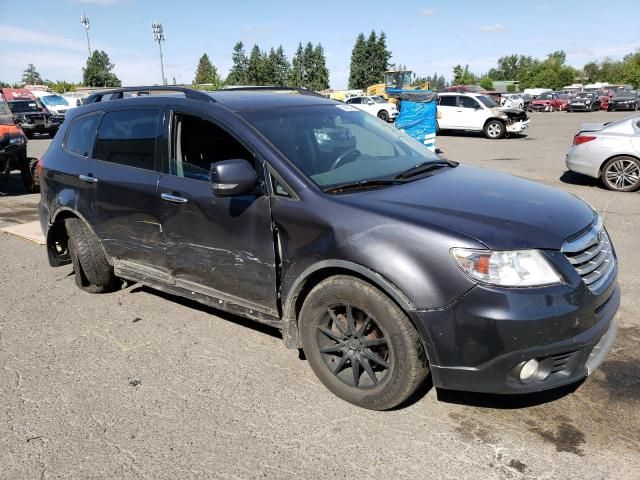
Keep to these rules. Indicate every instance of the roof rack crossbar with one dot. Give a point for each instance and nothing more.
(301, 90)
(188, 92)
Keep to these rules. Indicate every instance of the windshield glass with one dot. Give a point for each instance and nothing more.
(486, 101)
(54, 101)
(545, 96)
(625, 93)
(584, 95)
(378, 99)
(339, 144)
(24, 106)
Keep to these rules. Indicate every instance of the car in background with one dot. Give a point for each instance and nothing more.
(29, 113)
(477, 112)
(625, 100)
(608, 151)
(512, 100)
(549, 102)
(526, 99)
(605, 96)
(13, 150)
(55, 104)
(376, 106)
(585, 102)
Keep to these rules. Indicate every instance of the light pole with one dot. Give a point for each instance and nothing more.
(158, 36)
(84, 20)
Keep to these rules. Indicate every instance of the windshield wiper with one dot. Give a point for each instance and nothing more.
(361, 184)
(426, 167)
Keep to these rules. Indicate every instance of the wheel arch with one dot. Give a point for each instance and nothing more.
(320, 271)
(604, 162)
(57, 236)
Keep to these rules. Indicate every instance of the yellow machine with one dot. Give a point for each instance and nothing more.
(395, 82)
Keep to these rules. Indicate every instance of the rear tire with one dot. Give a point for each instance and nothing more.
(93, 272)
(29, 173)
(360, 344)
(621, 174)
(494, 129)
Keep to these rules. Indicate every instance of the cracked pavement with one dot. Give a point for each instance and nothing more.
(140, 384)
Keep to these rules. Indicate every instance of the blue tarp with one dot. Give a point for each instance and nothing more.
(417, 117)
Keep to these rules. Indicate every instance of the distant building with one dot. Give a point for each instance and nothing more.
(504, 86)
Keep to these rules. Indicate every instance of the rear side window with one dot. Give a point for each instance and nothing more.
(128, 137)
(82, 133)
(448, 101)
(356, 101)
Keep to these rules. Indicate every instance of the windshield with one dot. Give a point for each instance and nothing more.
(339, 144)
(24, 106)
(54, 101)
(545, 96)
(378, 100)
(584, 95)
(486, 101)
(626, 93)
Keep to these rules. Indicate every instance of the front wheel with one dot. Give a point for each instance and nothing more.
(383, 115)
(622, 174)
(360, 344)
(494, 129)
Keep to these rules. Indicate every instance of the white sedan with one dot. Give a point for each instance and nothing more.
(375, 105)
(609, 151)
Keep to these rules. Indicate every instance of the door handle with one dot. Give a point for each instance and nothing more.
(173, 198)
(88, 178)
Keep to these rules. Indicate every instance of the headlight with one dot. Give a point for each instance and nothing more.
(19, 140)
(519, 268)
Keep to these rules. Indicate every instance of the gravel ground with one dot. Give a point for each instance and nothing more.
(138, 384)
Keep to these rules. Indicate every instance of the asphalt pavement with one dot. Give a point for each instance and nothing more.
(139, 384)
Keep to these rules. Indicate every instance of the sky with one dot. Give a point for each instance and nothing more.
(426, 36)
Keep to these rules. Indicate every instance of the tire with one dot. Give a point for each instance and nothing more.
(29, 173)
(621, 174)
(93, 272)
(29, 135)
(595, 108)
(380, 342)
(494, 129)
(383, 115)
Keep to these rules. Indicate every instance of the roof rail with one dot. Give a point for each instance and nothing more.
(303, 91)
(119, 92)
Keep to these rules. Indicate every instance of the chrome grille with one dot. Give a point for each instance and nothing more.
(591, 255)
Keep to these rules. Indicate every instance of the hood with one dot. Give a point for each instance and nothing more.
(513, 113)
(582, 100)
(499, 210)
(540, 102)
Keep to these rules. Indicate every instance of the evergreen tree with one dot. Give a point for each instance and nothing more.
(256, 67)
(207, 72)
(308, 65)
(381, 59)
(238, 73)
(281, 68)
(31, 76)
(358, 60)
(297, 70)
(99, 71)
(319, 79)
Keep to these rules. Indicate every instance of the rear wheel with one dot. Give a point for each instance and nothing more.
(93, 272)
(383, 115)
(360, 344)
(494, 129)
(621, 174)
(29, 174)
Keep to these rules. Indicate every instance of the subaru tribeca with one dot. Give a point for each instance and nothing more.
(380, 259)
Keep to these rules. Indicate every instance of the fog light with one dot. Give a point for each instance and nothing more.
(528, 370)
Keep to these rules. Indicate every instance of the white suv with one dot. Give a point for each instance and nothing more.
(375, 105)
(478, 112)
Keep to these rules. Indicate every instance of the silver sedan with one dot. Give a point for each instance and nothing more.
(609, 151)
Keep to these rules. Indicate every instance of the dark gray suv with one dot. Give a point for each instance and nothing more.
(382, 260)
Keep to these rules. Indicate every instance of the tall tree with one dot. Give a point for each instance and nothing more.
(357, 76)
(319, 80)
(281, 67)
(256, 67)
(308, 65)
(30, 76)
(297, 76)
(207, 72)
(238, 73)
(99, 71)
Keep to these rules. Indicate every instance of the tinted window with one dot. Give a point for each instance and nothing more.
(82, 133)
(128, 137)
(357, 101)
(448, 101)
(467, 102)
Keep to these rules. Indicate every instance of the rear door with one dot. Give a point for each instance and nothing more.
(218, 246)
(448, 112)
(125, 173)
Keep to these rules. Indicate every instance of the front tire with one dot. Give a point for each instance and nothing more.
(494, 129)
(621, 174)
(383, 115)
(93, 272)
(360, 344)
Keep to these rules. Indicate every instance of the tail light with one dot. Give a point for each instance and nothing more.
(580, 139)
(39, 167)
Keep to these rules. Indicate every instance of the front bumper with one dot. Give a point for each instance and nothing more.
(479, 342)
(517, 127)
(580, 108)
(622, 106)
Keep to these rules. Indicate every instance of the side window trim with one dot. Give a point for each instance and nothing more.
(93, 140)
(274, 175)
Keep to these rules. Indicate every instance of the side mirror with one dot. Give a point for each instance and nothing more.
(370, 103)
(233, 177)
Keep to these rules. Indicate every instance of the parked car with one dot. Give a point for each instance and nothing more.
(376, 106)
(381, 261)
(605, 95)
(29, 113)
(584, 101)
(610, 152)
(13, 150)
(477, 112)
(625, 100)
(512, 100)
(526, 99)
(55, 104)
(549, 102)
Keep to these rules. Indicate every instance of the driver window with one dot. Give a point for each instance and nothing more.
(198, 143)
(467, 102)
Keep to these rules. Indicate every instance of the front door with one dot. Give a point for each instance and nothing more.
(218, 246)
(471, 113)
